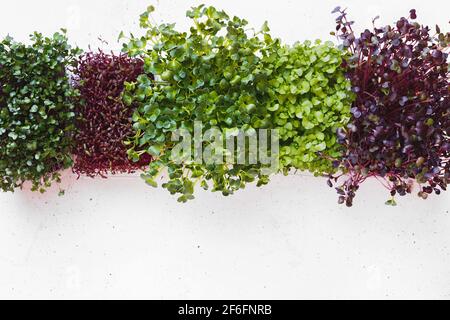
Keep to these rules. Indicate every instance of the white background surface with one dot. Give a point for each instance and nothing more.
(118, 238)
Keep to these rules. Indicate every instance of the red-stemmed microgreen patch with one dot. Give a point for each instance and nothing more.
(400, 127)
(103, 120)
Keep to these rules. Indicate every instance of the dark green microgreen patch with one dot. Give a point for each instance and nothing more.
(400, 127)
(36, 110)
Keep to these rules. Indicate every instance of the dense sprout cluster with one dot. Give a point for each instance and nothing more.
(192, 104)
(227, 77)
(400, 124)
(103, 121)
(36, 110)
(310, 99)
(202, 76)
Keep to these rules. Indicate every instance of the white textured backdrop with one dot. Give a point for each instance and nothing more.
(118, 238)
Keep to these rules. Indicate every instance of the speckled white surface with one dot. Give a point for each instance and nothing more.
(118, 238)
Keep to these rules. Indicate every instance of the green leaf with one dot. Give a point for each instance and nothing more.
(265, 27)
(275, 107)
(151, 182)
(154, 150)
(121, 36)
(391, 202)
(13, 135)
